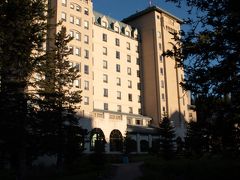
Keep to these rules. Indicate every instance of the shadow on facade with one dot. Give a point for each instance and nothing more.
(179, 123)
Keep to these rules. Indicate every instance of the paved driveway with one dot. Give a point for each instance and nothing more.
(130, 171)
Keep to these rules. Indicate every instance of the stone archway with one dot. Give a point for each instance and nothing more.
(116, 140)
(97, 139)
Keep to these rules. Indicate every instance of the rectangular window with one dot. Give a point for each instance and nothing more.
(138, 61)
(78, 36)
(78, 21)
(129, 71)
(159, 34)
(77, 52)
(160, 46)
(77, 83)
(71, 49)
(71, 33)
(162, 84)
(138, 73)
(105, 106)
(130, 110)
(118, 81)
(129, 97)
(86, 54)
(78, 8)
(161, 59)
(163, 97)
(161, 71)
(72, 6)
(86, 39)
(105, 64)
(104, 37)
(105, 78)
(117, 42)
(86, 85)
(118, 68)
(86, 100)
(119, 108)
(64, 16)
(117, 54)
(86, 69)
(139, 122)
(118, 95)
(86, 24)
(77, 67)
(86, 11)
(72, 19)
(64, 2)
(128, 46)
(104, 51)
(129, 84)
(105, 92)
(128, 58)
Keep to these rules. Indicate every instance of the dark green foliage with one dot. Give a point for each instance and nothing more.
(209, 54)
(22, 29)
(57, 102)
(167, 139)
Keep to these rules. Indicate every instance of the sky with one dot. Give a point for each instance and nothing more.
(119, 9)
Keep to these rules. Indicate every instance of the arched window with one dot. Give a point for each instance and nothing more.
(116, 141)
(97, 139)
(144, 146)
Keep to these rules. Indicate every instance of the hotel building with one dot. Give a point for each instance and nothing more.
(127, 85)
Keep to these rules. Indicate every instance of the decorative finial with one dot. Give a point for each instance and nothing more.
(150, 3)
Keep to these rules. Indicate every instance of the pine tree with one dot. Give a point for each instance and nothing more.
(58, 101)
(21, 23)
(167, 140)
(209, 54)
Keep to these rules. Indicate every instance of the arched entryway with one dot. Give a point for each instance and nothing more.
(116, 140)
(97, 139)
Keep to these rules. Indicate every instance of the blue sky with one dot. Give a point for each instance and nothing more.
(120, 9)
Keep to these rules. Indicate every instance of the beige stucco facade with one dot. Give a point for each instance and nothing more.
(124, 78)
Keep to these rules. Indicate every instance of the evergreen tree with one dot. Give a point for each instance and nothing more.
(22, 28)
(58, 101)
(210, 56)
(167, 133)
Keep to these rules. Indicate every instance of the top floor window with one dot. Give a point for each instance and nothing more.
(104, 23)
(116, 28)
(128, 46)
(104, 37)
(117, 42)
(86, 11)
(78, 8)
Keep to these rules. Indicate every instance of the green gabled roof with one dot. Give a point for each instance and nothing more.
(110, 19)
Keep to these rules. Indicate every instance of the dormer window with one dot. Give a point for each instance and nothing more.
(116, 28)
(104, 23)
(127, 33)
